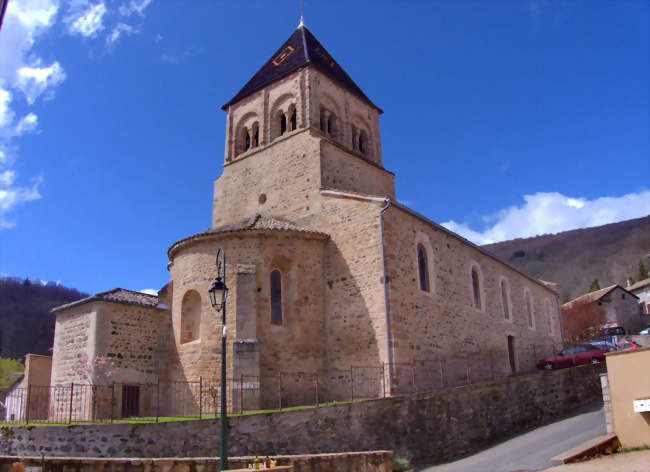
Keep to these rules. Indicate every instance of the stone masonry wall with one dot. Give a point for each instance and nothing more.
(295, 345)
(370, 461)
(427, 428)
(354, 296)
(137, 340)
(444, 320)
(71, 342)
(280, 180)
(348, 172)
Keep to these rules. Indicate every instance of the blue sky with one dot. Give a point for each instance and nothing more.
(502, 119)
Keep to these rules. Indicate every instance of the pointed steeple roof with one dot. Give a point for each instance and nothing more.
(300, 50)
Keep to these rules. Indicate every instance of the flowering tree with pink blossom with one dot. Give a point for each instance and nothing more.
(94, 371)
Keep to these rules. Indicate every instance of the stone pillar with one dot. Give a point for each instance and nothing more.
(246, 353)
(607, 403)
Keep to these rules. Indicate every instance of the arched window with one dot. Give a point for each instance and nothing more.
(247, 140)
(362, 143)
(476, 288)
(549, 316)
(504, 300)
(423, 269)
(190, 316)
(276, 297)
(283, 123)
(256, 137)
(292, 120)
(529, 308)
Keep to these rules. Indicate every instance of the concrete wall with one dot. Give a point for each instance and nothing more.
(628, 377)
(427, 428)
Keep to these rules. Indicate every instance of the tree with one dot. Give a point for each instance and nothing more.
(8, 367)
(595, 285)
(642, 271)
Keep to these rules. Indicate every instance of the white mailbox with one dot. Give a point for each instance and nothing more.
(641, 405)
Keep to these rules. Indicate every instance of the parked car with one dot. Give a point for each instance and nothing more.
(645, 331)
(628, 346)
(604, 343)
(572, 356)
(613, 331)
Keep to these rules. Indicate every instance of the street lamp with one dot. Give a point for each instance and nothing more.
(218, 293)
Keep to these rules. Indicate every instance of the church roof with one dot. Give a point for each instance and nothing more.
(117, 295)
(595, 296)
(300, 50)
(256, 223)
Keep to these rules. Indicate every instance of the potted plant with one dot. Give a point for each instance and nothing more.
(401, 464)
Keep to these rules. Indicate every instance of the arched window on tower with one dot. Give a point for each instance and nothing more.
(247, 140)
(504, 300)
(423, 269)
(190, 316)
(292, 120)
(256, 136)
(283, 123)
(276, 297)
(328, 122)
(476, 288)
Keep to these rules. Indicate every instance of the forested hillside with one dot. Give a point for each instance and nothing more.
(574, 259)
(26, 324)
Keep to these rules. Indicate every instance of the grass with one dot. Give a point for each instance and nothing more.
(165, 419)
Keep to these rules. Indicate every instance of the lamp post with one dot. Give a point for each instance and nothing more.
(218, 293)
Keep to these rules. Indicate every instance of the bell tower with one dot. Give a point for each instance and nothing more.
(299, 125)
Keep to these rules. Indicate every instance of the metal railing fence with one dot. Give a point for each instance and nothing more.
(175, 400)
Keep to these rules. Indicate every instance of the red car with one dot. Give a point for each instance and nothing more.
(628, 346)
(572, 356)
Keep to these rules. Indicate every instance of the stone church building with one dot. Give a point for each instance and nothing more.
(325, 268)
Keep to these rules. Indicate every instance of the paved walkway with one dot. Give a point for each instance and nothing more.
(638, 461)
(534, 450)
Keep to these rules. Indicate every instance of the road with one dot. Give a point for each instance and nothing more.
(533, 450)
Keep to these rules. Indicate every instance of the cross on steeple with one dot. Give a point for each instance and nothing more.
(302, 19)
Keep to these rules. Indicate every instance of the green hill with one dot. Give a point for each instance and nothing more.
(573, 259)
(26, 324)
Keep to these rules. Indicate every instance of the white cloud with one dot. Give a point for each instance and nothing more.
(6, 115)
(117, 32)
(33, 81)
(12, 195)
(27, 124)
(149, 291)
(545, 213)
(134, 6)
(26, 78)
(88, 22)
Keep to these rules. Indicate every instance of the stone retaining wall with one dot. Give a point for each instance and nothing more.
(372, 461)
(427, 428)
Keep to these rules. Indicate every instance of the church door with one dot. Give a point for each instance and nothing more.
(130, 401)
